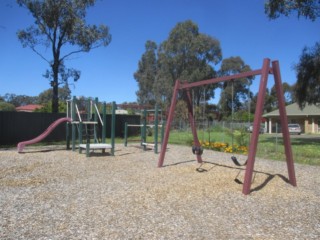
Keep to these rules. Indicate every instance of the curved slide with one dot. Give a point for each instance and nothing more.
(21, 145)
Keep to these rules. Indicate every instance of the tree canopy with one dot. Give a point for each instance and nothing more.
(308, 69)
(306, 8)
(234, 93)
(186, 55)
(4, 106)
(146, 74)
(307, 88)
(61, 25)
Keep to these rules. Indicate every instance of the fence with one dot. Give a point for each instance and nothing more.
(183, 125)
(21, 126)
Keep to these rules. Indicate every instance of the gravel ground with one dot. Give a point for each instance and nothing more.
(50, 193)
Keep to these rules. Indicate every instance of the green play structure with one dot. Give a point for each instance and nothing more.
(147, 116)
(88, 127)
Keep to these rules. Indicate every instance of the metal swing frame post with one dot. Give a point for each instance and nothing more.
(284, 122)
(264, 72)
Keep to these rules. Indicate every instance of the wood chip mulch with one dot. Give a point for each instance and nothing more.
(51, 193)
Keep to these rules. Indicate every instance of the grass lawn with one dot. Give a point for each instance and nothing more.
(305, 147)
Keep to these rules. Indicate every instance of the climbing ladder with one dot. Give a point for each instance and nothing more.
(85, 122)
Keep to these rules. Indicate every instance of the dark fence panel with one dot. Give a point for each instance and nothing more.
(21, 126)
(120, 124)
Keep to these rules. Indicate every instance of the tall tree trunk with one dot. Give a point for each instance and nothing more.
(55, 98)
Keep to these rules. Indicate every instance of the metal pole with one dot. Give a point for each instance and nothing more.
(113, 127)
(104, 127)
(95, 117)
(73, 126)
(80, 134)
(156, 123)
(284, 123)
(232, 112)
(163, 124)
(67, 136)
(125, 134)
(87, 139)
(169, 121)
(256, 127)
(144, 129)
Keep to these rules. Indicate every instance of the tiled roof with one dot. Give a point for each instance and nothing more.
(294, 110)
(28, 108)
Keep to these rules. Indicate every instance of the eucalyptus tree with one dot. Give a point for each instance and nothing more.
(307, 88)
(186, 55)
(146, 74)
(60, 25)
(306, 8)
(235, 92)
(287, 93)
(45, 97)
(19, 100)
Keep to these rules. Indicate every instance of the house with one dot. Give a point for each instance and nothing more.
(308, 118)
(28, 108)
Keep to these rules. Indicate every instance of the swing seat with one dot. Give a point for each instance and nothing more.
(236, 162)
(197, 150)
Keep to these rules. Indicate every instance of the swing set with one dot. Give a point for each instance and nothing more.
(197, 149)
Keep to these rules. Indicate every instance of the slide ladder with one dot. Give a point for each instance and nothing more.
(90, 133)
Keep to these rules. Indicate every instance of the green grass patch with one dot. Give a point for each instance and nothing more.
(305, 148)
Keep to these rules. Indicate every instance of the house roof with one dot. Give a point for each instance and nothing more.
(294, 110)
(28, 108)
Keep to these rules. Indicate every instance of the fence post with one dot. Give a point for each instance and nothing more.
(125, 134)
(144, 129)
(156, 130)
(113, 127)
(104, 120)
(73, 126)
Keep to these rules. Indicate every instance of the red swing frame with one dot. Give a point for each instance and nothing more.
(264, 72)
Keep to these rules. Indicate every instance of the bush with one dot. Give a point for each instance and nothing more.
(4, 106)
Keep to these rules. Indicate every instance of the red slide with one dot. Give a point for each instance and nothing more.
(44, 134)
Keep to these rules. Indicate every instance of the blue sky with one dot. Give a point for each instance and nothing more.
(107, 73)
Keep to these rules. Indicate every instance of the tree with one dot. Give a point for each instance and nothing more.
(308, 69)
(271, 99)
(287, 93)
(234, 93)
(186, 55)
(306, 8)
(146, 74)
(46, 96)
(60, 25)
(47, 107)
(19, 100)
(4, 106)
(307, 88)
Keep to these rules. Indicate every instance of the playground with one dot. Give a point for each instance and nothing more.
(132, 191)
(50, 193)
